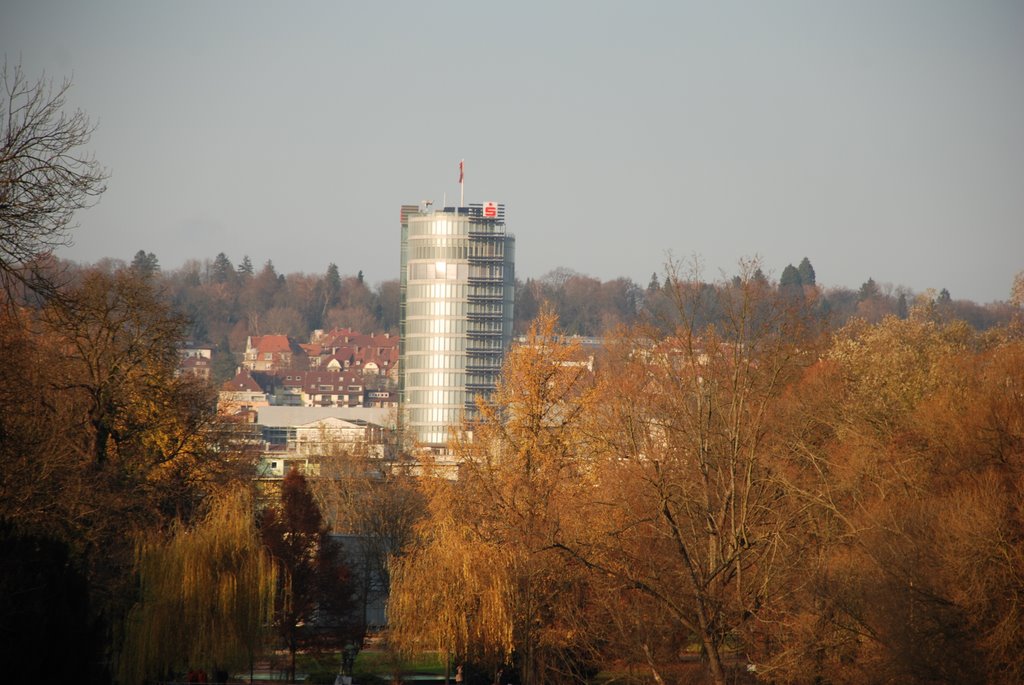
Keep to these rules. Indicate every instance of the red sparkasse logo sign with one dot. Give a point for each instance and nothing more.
(490, 210)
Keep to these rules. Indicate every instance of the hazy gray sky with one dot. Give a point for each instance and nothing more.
(881, 139)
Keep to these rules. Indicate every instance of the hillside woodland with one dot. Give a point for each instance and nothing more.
(225, 302)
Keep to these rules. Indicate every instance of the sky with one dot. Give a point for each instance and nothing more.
(879, 139)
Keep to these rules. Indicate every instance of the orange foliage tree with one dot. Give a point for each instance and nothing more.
(483, 582)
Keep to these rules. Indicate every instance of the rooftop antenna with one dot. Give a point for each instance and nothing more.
(462, 187)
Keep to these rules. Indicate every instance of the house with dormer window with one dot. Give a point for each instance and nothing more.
(273, 352)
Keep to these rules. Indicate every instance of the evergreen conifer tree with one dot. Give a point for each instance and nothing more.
(790, 285)
(868, 289)
(901, 306)
(222, 271)
(807, 276)
(245, 269)
(790, 277)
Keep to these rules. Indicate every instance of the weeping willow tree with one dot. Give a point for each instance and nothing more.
(206, 596)
(454, 593)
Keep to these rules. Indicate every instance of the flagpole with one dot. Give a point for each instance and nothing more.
(462, 185)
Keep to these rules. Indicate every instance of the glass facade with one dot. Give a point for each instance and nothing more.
(457, 289)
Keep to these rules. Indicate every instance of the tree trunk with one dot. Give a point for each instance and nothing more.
(712, 649)
(715, 667)
(292, 646)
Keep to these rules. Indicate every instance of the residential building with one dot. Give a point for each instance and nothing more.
(326, 388)
(457, 284)
(241, 393)
(271, 352)
(319, 388)
(195, 360)
(345, 349)
(338, 368)
(196, 367)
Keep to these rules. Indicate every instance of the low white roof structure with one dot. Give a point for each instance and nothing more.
(301, 416)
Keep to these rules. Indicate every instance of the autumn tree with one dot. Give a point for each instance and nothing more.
(206, 595)
(975, 432)
(1017, 290)
(121, 343)
(145, 439)
(578, 304)
(483, 582)
(101, 439)
(891, 440)
(45, 177)
(284, 320)
(687, 512)
(42, 472)
(130, 417)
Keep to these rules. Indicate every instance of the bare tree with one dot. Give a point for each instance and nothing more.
(686, 510)
(44, 177)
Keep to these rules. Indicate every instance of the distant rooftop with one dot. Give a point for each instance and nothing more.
(299, 416)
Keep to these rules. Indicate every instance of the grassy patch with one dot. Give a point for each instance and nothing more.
(371, 665)
(375, 662)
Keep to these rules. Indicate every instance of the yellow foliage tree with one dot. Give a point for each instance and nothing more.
(484, 582)
(206, 596)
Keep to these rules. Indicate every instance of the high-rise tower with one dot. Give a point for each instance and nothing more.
(457, 293)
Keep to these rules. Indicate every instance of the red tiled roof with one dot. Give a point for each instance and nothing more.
(358, 349)
(309, 380)
(339, 380)
(271, 343)
(241, 381)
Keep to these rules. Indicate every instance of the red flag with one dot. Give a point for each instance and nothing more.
(461, 162)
